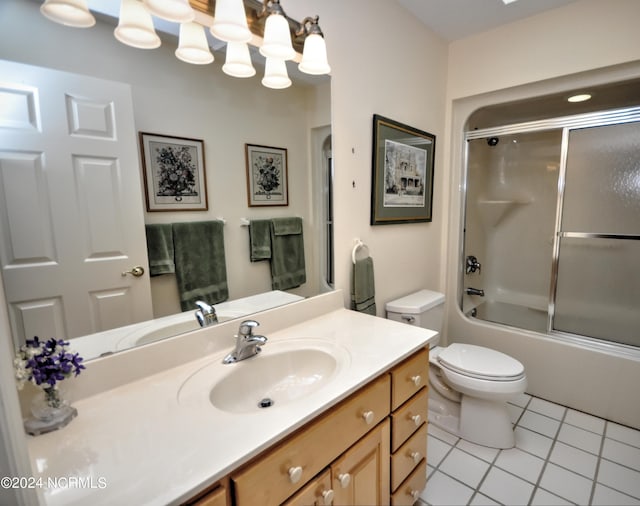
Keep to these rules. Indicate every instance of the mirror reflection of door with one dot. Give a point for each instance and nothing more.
(70, 204)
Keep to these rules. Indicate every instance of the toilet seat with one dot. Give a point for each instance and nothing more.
(480, 363)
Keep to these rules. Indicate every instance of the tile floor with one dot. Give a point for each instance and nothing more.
(562, 456)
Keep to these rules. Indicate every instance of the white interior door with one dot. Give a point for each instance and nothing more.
(71, 217)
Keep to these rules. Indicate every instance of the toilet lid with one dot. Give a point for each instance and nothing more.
(480, 362)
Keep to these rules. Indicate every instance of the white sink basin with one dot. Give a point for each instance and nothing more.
(284, 372)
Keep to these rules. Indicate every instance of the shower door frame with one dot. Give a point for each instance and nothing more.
(566, 124)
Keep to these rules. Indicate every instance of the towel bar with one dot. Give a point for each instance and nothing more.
(358, 244)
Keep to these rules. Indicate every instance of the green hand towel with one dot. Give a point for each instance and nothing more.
(287, 254)
(259, 240)
(160, 249)
(201, 270)
(363, 289)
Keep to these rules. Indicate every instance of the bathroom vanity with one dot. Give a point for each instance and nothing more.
(354, 434)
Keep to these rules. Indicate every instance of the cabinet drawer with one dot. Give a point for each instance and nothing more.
(406, 420)
(408, 493)
(408, 456)
(268, 481)
(317, 492)
(409, 377)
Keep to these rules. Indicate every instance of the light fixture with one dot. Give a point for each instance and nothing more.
(314, 56)
(275, 74)
(192, 45)
(238, 60)
(135, 27)
(230, 22)
(277, 36)
(178, 11)
(581, 97)
(69, 13)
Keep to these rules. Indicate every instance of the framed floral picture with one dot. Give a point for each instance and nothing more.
(402, 173)
(267, 176)
(174, 173)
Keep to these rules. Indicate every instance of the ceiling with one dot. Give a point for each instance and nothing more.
(457, 19)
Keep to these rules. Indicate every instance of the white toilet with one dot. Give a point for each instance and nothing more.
(469, 385)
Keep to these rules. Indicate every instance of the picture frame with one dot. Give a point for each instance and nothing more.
(174, 173)
(267, 176)
(402, 173)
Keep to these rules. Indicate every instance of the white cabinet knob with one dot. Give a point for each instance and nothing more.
(417, 380)
(368, 417)
(327, 497)
(344, 479)
(295, 473)
(416, 457)
(417, 419)
(415, 494)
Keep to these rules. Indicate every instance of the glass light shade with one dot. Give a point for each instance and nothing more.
(238, 61)
(275, 74)
(192, 46)
(178, 11)
(230, 22)
(314, 56)
(135, 27)
(277, 39)
(68, 12)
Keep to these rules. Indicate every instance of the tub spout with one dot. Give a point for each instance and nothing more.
(474, 291)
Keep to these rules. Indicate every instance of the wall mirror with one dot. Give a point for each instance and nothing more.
(172, 98)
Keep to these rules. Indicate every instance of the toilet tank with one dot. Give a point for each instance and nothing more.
(424, 308)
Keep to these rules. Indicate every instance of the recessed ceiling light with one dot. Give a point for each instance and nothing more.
(507, 2)
(582, 97)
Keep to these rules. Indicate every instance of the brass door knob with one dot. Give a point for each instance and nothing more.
(137, 271)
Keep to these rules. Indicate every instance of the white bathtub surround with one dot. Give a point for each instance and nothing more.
(130, 416)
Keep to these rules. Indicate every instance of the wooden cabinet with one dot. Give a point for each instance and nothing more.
(369, 449)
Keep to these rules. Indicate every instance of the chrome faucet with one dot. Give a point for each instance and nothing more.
(247, 344)
(206, 314)
(472, 265)
(474, 291)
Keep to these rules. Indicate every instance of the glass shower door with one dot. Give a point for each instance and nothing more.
(597, 291)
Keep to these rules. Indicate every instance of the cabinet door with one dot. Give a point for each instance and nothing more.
(317, 492)
(361, 475)
(217, 497)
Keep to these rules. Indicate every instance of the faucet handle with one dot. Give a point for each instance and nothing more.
(247, 326)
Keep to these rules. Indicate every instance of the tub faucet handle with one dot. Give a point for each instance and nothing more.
(472, 265)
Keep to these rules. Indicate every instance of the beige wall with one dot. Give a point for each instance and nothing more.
(584, 43)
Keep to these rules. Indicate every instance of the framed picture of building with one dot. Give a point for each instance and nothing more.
(402, 173)
(267, 176)
(174, 173)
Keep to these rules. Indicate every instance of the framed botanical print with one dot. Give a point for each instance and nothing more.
(267, 176)
(174, 173)
(402, 173)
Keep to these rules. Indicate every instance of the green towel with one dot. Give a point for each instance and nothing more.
(363, 290)
(287, 253)
(201, 270)
(160, 249)
(259, 240)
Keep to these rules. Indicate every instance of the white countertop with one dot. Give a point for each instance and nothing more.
(137, 444)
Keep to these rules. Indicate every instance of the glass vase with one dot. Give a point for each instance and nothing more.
(51, 410)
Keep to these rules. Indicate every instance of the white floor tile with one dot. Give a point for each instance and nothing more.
(520, 463)
(442, 490)
(442, 435)
(619, 478)
(521, 400)
(464, 467)
(506, 488)
(482, 452)
(539, 423)
(547, 408)
(623, 434)
(585, 421)
(429, 470)
(483, 500)
(605, 496)
(436, 450)
(544, 498)
(574, 459)
(533, 442)
(566, 484)
(621, 453)
(580, 438)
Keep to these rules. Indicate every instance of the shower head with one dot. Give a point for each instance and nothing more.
(493, 141)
